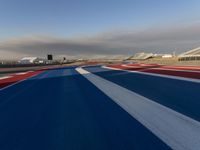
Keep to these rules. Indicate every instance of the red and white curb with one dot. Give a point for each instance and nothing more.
(12, 79)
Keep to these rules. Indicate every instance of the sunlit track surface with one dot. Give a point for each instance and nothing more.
(62, 109)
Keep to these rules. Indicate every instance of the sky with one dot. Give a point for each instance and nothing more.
(97, 28)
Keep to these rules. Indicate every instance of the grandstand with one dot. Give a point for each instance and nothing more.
(191, 55)
(141, 56)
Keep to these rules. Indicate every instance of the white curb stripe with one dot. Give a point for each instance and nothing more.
(21, 73)
(165, 69)
(175, 129)
(6, 77)
(6, 87)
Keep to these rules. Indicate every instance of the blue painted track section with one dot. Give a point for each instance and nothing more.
(59, 109)
(181, 96)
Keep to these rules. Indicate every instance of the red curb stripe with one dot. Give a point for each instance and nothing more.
(194, 75)
(181, 71)
(16, 78)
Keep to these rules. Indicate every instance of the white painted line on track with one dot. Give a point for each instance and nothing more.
(155, 74)
(5, 77)
(167, 69)
(21, 73)
(132, 66)
(163, 68)
(175, 129)
(184, 67)
(140, 65)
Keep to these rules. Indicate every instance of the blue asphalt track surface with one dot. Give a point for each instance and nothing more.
(61, 110)
(179, 95)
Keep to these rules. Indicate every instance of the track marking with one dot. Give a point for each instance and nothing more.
(179, 70)
(21, 73)
(17, 82)
(155, 74)
(6, 77)
(175, 129)
(162, 68)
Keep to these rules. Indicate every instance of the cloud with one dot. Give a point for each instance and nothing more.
(119, 42)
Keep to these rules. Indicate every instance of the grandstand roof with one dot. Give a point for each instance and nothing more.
(141, 56)
(193, 52)
(31, 59)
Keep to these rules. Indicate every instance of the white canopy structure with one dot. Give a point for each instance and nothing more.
(193, 54)
(141, 56)
(32, 60)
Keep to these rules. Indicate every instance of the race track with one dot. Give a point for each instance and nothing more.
(101, 108)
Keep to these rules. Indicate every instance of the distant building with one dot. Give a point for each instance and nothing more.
(32, 60)
(191, 55)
